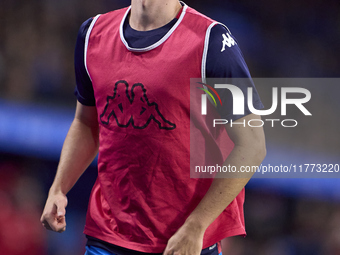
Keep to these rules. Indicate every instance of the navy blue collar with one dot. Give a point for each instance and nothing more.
(143, 39)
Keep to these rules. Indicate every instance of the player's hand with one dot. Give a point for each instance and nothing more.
(53, 216)
(188, 240)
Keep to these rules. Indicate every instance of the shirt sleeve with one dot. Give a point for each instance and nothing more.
(225, 60)
(84, 89)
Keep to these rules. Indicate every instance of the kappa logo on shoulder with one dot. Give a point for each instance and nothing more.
(227, 41)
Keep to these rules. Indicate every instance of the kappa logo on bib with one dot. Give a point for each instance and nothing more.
(133, 108)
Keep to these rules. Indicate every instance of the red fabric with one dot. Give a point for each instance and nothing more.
(144, 192)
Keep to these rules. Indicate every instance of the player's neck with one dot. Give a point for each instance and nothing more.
(151, 14)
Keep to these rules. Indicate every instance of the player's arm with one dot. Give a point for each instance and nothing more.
(79, 150)
(81, 144)
(223, 60)
(249, 150)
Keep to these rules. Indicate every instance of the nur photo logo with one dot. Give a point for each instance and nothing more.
(242, 103)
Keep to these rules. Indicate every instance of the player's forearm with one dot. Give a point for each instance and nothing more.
(79, 150)
(224, 190)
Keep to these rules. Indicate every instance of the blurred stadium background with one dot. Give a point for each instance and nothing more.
(283, 38)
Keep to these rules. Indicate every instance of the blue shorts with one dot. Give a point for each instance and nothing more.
(92, 250)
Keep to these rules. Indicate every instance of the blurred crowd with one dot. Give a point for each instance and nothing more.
(20, 198)
(284, 38)
(37, 41)
(291, 38)
(24, 185)
(281, 225)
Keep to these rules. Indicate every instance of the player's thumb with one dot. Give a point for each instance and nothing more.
(61, 208)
